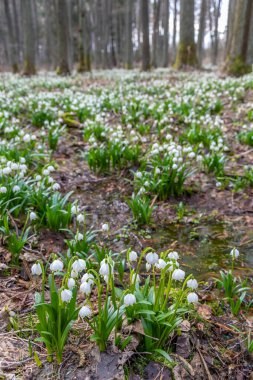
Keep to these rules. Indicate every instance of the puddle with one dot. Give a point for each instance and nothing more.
(204, 249)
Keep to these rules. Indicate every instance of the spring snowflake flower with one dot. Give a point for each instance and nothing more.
(36, 269)
(157, 171)
(79, 236)
(33, 216)
(133, 256)
(85, 288)
(234, 253)
(26, 138)
(104, 269)
(84, 312)
(79, 265)
(45, 172)
(192, 284)
(3, 189)
(71, 283)
(105, 227)
(15, 189)
(178, 275)
(138, 174)
(88, 277)
(66, 295)
(161, 264)
(129, 300)
(56, 186)
(152, 258)
(80, 218)
(56, 266)
(173, 255)
(74, 209)
(192, 298)
(50, 168)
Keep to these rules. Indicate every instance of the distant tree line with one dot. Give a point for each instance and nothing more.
(64, 35)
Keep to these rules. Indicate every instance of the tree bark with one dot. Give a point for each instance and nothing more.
(64, 40)
(202, 26)
(145, 35)
(174, 30)
(166, 34)
(29, 40)
(217, 7)
(186, 52)
(236, 62)
(129, 42)
(84, 56)
(156, 14)
(12, 43)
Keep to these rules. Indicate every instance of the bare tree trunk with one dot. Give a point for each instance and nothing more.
(249, 59)
(64, 41)
(145, 35)
(129, 42)
(202, 26)
(84, 58)
(17, 29)
(217, 7)
(231, 15)
(174, 30)
(156, 15)
(12, 44)
(236, 63)
(186, 52)
(49, 33)
(166, 34)
(29, 40)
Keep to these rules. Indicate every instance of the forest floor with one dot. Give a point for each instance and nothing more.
(203, 224)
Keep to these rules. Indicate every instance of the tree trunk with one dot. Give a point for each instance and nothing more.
(174, 30)
(64, 40)
(129, 42)
(202, 26)
(29, 40)
(12, 43)
(84, 56)
(236, 62)
(216, 31)
(166, 34)
(186, 52)
(145, 35)
(156, 15)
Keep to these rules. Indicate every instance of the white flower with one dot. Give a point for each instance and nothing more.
(66, 295)
(174, 166)
(157, 171)
(36, 269)
(33, 216)
(192, 298)
(133, 256)
(74, 209)
(129, 299)
(15, 188)
(173, 255)
(79, 236)
(84, 312)
(148, 266)
(161, 264)
(85, 288)
(135, 276)
(88, 277)
(178, 275)
(3, 189)
(138, 174)
(56, 266)
(45, 172)
(71, 283)
(26, 138)
(80, 218)
(56, 186)
(234, 253)
(79, 265)
(50, 168)
(105, 227)
(104, 269)
(38, 177)
(152, 258)
(192, 284)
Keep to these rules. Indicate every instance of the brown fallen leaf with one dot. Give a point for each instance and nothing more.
(205, 311)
